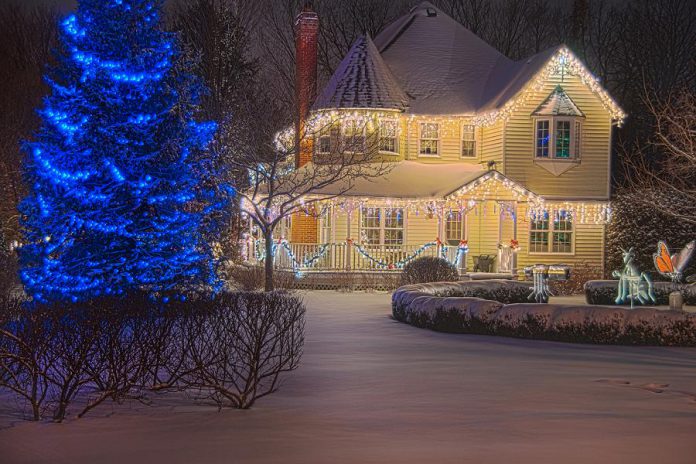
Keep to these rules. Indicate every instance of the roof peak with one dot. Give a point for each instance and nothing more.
(558, 103)
(362, 80)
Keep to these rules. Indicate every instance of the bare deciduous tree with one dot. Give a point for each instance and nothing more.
(27, 37)
(671, 181)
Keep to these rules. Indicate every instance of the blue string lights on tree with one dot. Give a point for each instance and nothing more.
(118, 192)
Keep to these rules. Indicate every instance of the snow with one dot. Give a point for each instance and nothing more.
(429, 301)
(372, 390)
(362, 80)
(398, 179)
(558, 103)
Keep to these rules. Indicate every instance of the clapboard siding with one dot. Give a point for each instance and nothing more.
(491, 143)
(588, 245)
(590, 179)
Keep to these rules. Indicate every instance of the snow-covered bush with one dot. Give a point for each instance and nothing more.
(603, 292)
(429, 269)
(582, 272)
(418, 305)
(635, 225)
(501, 290)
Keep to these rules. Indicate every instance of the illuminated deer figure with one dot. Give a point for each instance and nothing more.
(633, 284)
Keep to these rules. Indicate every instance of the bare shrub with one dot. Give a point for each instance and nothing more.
(247, 278)
(232, 348)
(429, 269)
(243, 346)
(252, 278)
(580, 274)
(25, 354)
(374, 281)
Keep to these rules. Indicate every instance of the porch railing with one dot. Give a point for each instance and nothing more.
(347, 256)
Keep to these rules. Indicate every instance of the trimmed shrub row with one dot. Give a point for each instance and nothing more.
(439, 307)
(603, 292)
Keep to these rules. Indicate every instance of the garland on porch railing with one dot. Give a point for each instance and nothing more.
(311, 260)
(308, 261)
(462, 249)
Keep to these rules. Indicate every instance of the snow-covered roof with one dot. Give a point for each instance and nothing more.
(441, 64)
(362, 80)
(558, 103)
(409, 179)
(430, 64)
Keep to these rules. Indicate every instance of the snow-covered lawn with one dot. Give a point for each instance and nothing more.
(372, 390)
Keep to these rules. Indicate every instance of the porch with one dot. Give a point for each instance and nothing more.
(353, 257)
(479, 220)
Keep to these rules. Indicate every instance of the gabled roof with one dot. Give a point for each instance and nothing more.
(558, 103)
(362, 80)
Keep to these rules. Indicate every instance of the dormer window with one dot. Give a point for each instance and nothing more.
(558, 138)
(557, 133)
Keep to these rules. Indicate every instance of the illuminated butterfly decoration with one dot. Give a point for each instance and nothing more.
(672, 266)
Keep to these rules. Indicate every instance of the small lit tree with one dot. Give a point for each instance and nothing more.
(116, 199)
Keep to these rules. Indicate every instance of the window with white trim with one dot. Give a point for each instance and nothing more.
(551, 235)
(557, 138)
(577, 138)
(455, 227)
(327, 139)
(326, 227)
(388, 136)
(382, 226)
(468, 141)
(354, 138)
(429, 139)
(542, 138)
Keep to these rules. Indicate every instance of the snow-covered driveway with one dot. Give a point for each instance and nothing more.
(371, 390)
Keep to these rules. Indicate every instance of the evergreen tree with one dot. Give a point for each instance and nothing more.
(115, 199)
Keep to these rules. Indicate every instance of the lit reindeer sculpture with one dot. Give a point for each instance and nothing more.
(633, 284)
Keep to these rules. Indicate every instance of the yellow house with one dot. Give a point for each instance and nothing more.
(495, 164)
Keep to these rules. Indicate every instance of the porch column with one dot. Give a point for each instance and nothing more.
(514, 236)
(348, 235)
(440, 229)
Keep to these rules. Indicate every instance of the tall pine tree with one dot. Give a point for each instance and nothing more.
(115, 200)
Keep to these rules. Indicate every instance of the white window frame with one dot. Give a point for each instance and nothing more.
(473, 140)
(448, 219)
(438, 145)
(381, 137)
(327, 222)
(329, 133)
(575, 145)
(383, 228)
(362, 135)
(550, 237)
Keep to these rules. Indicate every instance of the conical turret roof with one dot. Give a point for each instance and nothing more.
(362, 80)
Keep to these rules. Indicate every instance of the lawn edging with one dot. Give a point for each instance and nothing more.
(439, 306)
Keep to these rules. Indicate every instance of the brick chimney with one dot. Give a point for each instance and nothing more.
(306, 35)
(304, 227)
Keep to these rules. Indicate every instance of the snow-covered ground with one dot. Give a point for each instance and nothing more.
(371, 390)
